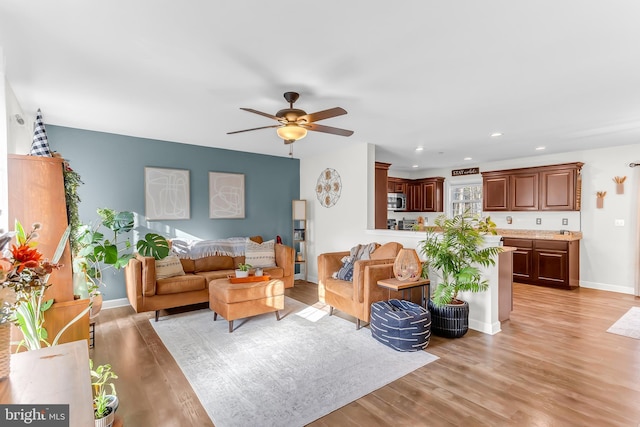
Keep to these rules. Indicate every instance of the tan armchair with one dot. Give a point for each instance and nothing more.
(355, 297)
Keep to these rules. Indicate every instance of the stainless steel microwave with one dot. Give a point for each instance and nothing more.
(396, 202)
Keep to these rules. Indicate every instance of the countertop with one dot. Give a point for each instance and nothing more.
(505, 232)
(539, 234)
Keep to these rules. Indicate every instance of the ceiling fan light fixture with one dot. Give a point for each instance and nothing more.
(291, 132)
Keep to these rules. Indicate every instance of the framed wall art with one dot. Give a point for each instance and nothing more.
(166, 193)
(226, 195)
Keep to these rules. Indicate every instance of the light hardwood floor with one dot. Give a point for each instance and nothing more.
(553, 364)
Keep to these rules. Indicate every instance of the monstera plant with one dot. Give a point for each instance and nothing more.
(105, 244)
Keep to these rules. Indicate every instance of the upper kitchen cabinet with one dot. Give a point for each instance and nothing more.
(523, 191)
(561, 189)
(544, 188)
(431, 190)
(396, 185)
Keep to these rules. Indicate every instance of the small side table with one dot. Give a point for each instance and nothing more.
(394, 284)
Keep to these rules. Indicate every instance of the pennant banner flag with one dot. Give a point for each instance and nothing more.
(40, 145)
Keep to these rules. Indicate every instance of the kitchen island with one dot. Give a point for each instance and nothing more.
(486, 309)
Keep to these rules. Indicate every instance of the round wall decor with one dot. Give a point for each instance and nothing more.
(328, 187)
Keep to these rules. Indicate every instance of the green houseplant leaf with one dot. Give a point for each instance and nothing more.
(454, 250)
(153, 245)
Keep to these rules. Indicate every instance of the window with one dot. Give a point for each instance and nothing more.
(465, 197)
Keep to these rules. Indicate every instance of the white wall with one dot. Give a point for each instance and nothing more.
(343, 225)
(4, 137)
(15, 138)
(607, 253)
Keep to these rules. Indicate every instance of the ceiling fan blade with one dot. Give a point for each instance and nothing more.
(247, 130)
(271, 116)
(327, 129)
(321, 115)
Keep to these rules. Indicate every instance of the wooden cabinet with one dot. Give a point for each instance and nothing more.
(522, 258)
(560, 189)
(495, 192)
(423, 195)
(523, 192)
(431, 190)
(36, 194)
(397, 185)
(414, 197)
(554, 263)
(544, 188)
(381, 190)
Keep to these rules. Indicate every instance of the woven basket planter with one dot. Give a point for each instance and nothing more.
(449, 321)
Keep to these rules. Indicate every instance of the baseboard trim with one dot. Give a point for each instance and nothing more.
(115, 303)
(484, 327)
(606, 287)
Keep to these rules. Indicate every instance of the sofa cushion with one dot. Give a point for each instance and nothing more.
(260, 254)
(188, 265)
(169, 266)
(388, 250)
(179, 284)
(214, 262)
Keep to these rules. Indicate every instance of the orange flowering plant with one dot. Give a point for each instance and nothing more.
(24, 270)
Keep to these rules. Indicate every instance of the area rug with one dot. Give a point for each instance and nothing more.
(286, 373)
(628, 325)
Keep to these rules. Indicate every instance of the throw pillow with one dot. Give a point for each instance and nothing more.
(168, 267)
(260, 254)
(346, 271)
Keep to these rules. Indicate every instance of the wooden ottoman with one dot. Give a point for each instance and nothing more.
(239, 300)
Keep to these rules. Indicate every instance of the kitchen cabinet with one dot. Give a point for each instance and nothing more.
(554, 263)
(523, 192)
(431, 190)
(423, 195)
(380, 193)
(543, 188)
(397, 185)
(495, 191)
(414, 197)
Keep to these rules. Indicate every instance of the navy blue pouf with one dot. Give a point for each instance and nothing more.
(401, 325)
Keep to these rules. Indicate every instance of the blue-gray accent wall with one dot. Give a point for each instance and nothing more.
(112, 169)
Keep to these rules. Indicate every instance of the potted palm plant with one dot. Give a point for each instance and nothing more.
(454, 250)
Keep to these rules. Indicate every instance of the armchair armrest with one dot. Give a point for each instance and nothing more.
(329, 263)
(148, 276)
(284, 259)
(360, 281)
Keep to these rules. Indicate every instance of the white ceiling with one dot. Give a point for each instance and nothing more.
(439, 74)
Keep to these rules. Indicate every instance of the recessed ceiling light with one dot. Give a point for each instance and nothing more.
(540, 148)
(414, 166)
(467, 158)
(419, 148)
(496, 134)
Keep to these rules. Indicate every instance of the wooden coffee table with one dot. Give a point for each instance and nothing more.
(394, 284)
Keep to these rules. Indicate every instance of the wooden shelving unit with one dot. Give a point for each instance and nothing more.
(36, 194)
(299, 234)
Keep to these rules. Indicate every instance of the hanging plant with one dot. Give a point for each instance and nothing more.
(71, 182)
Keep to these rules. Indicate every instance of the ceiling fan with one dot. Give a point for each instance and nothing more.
(294, 123)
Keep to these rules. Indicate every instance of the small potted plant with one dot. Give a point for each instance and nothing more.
(104, 405)
(243, 270)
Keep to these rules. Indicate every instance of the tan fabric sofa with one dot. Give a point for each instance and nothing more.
(355, 297)
(145, 293)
